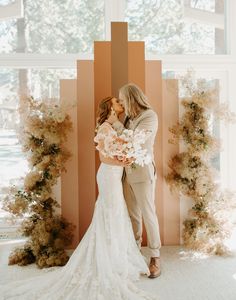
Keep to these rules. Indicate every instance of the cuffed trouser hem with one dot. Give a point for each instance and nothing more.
(153, 252)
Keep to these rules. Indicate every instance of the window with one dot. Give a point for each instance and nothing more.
(41, 47)
(223, 162)
(54, 27)
(177, 27)
(43, 83)
(217, 80)
(209, 5)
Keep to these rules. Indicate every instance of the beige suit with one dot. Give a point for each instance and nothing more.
(139, 185)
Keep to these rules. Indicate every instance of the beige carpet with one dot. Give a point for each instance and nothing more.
(185, 276)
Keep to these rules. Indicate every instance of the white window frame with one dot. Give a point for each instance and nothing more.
(114, 11)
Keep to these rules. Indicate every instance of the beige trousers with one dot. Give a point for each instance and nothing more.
(140, 199)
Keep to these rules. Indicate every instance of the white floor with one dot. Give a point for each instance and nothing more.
(185, 276)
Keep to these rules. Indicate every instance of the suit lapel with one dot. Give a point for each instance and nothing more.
(135, 121)
(132, 124)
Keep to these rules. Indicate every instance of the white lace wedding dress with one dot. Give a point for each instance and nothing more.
(107, 261)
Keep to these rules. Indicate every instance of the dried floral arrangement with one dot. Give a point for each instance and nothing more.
(44, 129)
(192, 173)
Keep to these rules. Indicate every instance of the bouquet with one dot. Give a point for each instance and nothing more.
(127, 145)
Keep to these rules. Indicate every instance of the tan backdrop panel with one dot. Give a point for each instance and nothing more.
(102, 77)
(102, 71)
(86, 150)
(171, 212)
(69, 180)
(136, 64)
(119, 56)
(154, 94)
(116, 63)
(136, 74)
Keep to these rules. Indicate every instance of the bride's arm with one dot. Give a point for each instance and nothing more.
(104, 131)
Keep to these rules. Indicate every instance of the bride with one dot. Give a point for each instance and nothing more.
(107, 261)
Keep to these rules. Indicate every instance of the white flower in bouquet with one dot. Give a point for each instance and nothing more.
(127, 145)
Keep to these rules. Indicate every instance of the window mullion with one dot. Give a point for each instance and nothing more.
(230, 27)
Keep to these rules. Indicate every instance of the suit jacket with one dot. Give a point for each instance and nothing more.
(146, 120)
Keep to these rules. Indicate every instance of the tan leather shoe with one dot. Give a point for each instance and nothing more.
(155, 267)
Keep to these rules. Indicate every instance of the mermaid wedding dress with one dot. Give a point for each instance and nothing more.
(106, 263)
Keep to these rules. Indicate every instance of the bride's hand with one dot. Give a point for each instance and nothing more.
(128, 161)
(113, 117)
(125, 162)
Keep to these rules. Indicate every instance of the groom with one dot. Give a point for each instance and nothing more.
(139, 182)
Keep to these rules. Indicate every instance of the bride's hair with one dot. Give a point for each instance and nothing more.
(104, 109)
(134, 99)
